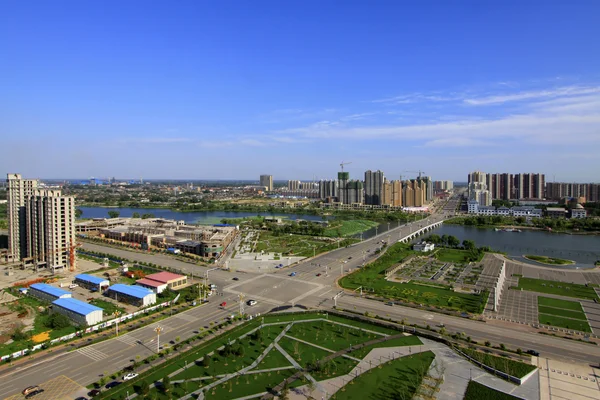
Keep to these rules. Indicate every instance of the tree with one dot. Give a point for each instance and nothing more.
(453, 241)
(114, 214)
(166, 383)
(144, 388)
(58, 321)
(78, 212)
(435, 239)
(468, 244)
(206, 361)
(285, 392)
(135, 215)
(147, 216)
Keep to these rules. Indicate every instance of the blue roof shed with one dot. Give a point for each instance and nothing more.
(76, 306)
(91, 279)
(50, 290)
(133, 291)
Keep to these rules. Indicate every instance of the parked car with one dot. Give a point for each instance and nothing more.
(30, 389)
(235, 278)
(130, 376)
(81, 398)
(223, 304)
(293, 274)
(113, 384)
(73, 286)
(94, 393)
(533, 353)
(319, 274)
(389, 303)
(251, 302)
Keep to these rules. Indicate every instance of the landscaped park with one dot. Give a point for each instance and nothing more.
(427, 292)
(304, 349)
(562, 314)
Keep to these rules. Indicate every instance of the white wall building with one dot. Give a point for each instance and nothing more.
(81, 313)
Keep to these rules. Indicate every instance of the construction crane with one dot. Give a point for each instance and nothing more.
(70, 251)
(419, 172)
(344, 163)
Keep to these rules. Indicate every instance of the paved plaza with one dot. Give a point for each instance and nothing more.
(276, 290)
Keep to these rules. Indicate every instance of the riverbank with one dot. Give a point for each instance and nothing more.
(548, 260)
(506, 223)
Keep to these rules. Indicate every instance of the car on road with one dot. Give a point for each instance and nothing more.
(34, 393)
(81, 398)
(533, 353)
(319, 274)
(349, 258)
(235, 278)
(251, 302)
(30, 389)
(94, 393)
(293, 274)
(223, 304)
(130, 376)
(389, 303)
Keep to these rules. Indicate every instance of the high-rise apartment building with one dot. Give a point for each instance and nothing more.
(560, 190)
(18, 191)
(392, 193)
(374, 187)
(267, 182)
(413, 193)
(443, 185)
(349, 191)
(50, 219)
(293, 185)
(328, 189)
(41, 223)
(508, 186)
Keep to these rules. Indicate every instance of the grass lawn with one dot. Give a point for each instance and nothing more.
(548, 260)
(562, 313)
(372, 278)
(301, 352)
(558, 303)
(477, 391)
(515, 368)
(560, 288)
(297, 245)
(108, 307)
(452, 255)
(397, 379)
(273, 359)
(343, 228)
(403, 341)
(331, 336)
(567, 323)
(248, 384)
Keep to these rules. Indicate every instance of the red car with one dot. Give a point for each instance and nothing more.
(223, 304)
(319, 274)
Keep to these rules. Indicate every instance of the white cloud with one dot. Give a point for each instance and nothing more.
(557, 92)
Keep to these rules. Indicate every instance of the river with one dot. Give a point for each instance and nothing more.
(583, 249)
(192, 217)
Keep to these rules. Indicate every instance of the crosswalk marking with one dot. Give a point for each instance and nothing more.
(127, 339)
(186, 317)
(92, 353)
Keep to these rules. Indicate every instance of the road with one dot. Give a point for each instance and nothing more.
(273, 289)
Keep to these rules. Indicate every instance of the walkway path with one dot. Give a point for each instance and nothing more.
(455, 370)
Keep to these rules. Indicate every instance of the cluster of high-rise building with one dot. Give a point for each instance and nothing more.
(41, 224)
(583, 192)
(484, 187)
(374, 190)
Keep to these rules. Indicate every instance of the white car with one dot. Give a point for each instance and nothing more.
(251, 302)
(130, 376)
(73, 286)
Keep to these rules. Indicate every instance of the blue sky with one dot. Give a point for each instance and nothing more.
(234, 89)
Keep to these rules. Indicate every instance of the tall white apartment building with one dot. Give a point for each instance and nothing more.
(50, 227)
(18, 191)
(41, 223)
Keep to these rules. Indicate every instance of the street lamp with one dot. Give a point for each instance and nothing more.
(116, 314)
(158, 330)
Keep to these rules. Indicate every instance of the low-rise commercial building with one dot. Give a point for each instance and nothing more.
(91, 282)
(81, 313)
(173, 281)
(556, 212)
(155, 286)
(48, 293)
(135, 295)
(473, 207)
(578, 212)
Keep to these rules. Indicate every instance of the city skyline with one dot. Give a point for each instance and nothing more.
(212, 91)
